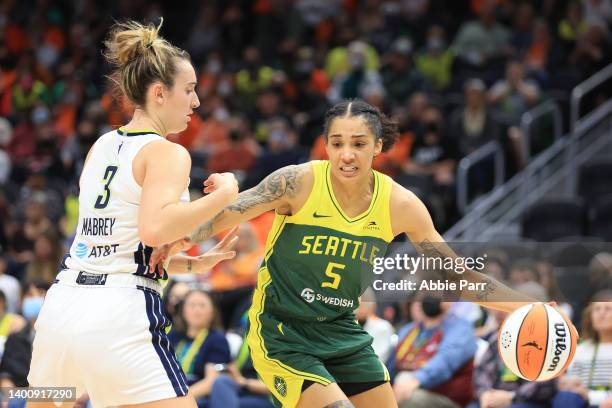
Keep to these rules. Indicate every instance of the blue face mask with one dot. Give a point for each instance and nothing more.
(31, 307)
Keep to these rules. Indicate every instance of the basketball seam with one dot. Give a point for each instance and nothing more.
(516, 348)
(546, 343)
(571, 341)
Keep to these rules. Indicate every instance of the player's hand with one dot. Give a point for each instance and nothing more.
(220, 252)
(210, 372)
(496, 399)
(160, 254)
(567, 383)
(403, 390)
(235, 374)
(573, 384)
(607, 403)
(82, 401)
(217, 181)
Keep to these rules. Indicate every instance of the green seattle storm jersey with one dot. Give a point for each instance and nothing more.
(319, 261)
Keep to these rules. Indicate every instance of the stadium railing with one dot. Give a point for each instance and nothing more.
(551, 172)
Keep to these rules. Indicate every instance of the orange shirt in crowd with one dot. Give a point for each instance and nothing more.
(65, 121)
(238, 272)
(211, 135)
(16, 39)
(187, 136)
(55, 37)
(231, 157)
(118, 111)
(261, 226)
(536, 55)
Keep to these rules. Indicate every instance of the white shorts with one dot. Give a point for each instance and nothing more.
(105, 336)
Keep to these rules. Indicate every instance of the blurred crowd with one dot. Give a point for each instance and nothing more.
(453, 74)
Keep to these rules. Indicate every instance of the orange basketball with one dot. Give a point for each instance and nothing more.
(536, 342)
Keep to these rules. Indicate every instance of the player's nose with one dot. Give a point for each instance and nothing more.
(347, 155)
(196, 102)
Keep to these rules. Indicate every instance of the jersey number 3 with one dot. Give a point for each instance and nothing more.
(103, 199)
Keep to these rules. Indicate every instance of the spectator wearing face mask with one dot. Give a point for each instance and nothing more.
(9, 322)
(15, 362)
(281, 150)
(359, 79)
(432, 365)
(435, 61)
(400, 77)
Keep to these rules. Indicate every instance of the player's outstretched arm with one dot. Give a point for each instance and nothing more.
(282, 191)
(162, 217)
(418, 226)
(279, 191)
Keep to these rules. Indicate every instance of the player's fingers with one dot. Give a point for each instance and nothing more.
(229, 238)
(226, 255)
(156, 257)
(230, 244)
(210, 180)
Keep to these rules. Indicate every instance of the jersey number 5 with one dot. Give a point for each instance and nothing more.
(334, 275)
(102, 200)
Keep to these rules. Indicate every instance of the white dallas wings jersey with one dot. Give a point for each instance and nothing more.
(106, 238)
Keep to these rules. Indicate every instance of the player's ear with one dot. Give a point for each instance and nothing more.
(378, 145)
(157, 93)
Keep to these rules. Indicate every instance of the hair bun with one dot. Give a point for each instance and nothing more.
(128, 40)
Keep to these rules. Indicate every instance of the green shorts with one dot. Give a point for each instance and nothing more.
(287, 353)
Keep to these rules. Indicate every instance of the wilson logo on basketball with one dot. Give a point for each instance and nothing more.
(560, 345)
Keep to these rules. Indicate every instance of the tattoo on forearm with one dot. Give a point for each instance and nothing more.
(340, 404)
(283, 182)
(489, 288)
(189, 266)
(430, 250)
(204, 231)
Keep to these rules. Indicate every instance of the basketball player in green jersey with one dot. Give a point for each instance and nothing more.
(332, 219)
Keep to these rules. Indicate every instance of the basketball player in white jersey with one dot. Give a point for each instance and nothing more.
(101, 328)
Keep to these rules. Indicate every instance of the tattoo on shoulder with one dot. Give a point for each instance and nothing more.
(340, 404)
(283, 182)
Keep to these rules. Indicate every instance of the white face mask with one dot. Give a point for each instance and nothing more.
(435, 43)
(221, 114)
(213, 67)
(224, 88)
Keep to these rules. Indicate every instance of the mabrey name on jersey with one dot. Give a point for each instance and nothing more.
(98, 226)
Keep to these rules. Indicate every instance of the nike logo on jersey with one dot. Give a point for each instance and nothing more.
(315, 215)
(120, 146)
